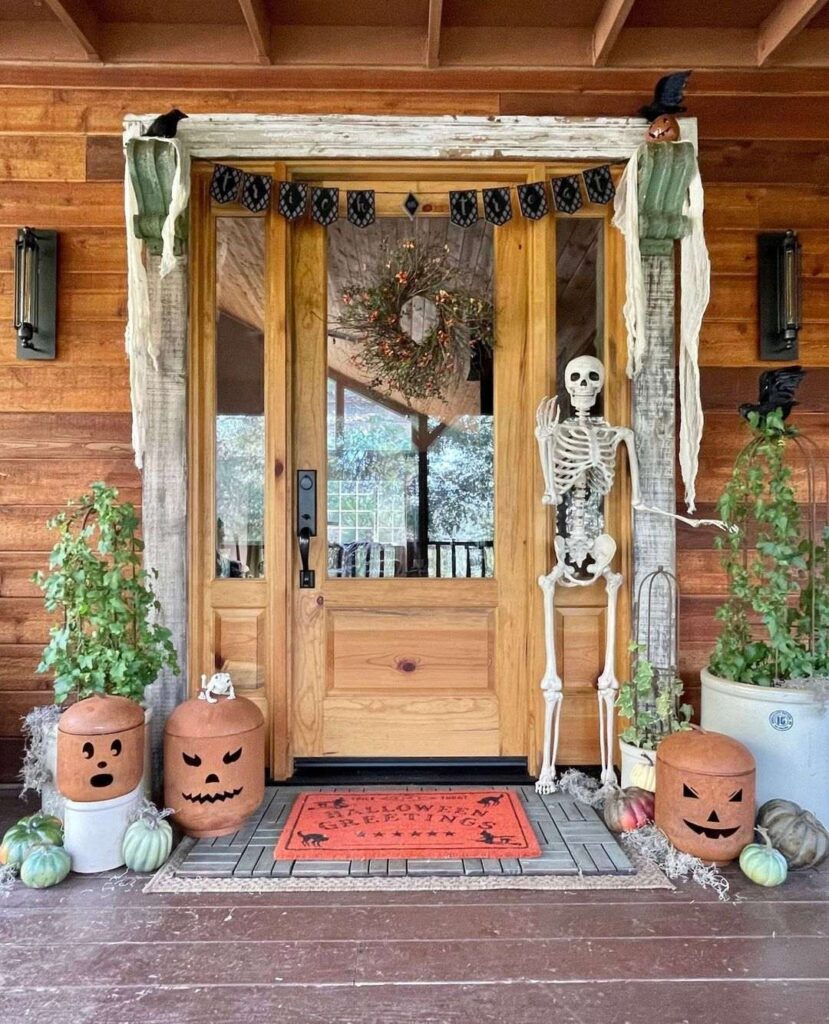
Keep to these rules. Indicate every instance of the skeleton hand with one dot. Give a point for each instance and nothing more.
(547, 417)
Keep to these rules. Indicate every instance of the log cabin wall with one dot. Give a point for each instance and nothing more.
(764, 146)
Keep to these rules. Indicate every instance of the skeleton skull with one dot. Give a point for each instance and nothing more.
(584, 379)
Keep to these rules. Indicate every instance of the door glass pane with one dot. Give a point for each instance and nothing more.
(240, 397)
(579, 320)
(410, 399)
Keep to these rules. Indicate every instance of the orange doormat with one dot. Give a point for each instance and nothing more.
(407, 825)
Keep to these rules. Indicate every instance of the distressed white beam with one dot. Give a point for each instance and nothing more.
(81, 22)
(433, 33)
(608, 25)
(256, 19)
(361, 136)
(783, 24)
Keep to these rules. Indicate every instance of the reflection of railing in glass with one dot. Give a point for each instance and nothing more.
(452, 559)
(410, 479)
(240, 398)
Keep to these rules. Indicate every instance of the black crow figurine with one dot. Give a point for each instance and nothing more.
(667, 96)
(165, 126)
(777, 388)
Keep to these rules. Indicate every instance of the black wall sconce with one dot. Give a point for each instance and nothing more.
(35, 293)
(780, 291)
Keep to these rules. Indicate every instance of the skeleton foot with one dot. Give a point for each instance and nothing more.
(546, 782)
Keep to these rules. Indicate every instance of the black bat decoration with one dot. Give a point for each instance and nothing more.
(667, 96)
(165, 126)
(777, 390)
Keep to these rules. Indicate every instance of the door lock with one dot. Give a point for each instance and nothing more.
(306, 523)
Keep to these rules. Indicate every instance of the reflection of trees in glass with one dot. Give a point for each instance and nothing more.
(240, 475)
(461, 481)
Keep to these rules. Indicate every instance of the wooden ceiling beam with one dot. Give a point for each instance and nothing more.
(783, 24)
(609, 24)
(81, 22)
(256, 19)
(433, 33)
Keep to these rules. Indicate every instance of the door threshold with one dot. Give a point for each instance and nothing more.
(414, 771)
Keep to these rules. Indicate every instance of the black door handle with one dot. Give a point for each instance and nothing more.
(306, 576)
(306, 523)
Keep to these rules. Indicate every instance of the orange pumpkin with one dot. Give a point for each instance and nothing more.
(663, 129)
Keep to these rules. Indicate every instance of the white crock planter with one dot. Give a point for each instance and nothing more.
(786, 730)
(51, 802)
(93, 831)
(631, 756)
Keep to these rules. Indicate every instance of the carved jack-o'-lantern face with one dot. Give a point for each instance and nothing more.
(215, 786)
(100, 748)
(713, 827)
(214, 764)
(663, 129)
(705, 794)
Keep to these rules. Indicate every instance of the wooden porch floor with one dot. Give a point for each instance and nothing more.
(96, 951)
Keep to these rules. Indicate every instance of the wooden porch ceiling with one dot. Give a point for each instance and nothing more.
(527, 35)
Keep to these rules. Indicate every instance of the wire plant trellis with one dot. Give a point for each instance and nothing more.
(777, 562)
(651, 700)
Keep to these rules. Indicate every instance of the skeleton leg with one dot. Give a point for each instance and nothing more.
(608, 683)
(550, 685)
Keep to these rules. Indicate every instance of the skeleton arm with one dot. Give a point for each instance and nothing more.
(636, 495)
(547, 418)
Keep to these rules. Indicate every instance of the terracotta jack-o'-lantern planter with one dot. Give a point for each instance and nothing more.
(705, 794)
(214, 764)
(100, 748)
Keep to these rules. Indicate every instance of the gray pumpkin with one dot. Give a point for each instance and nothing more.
(796, 833)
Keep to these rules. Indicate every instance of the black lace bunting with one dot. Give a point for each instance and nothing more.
(325, 205)
(256, 192)
(566, 194)
(361, 208)
(463, 208)
(295, 198)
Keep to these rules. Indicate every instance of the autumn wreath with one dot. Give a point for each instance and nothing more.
(373, 316)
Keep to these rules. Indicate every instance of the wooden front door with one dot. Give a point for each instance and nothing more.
(420, 634)
(412, 642)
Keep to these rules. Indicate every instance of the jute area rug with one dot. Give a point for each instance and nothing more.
(647, 876)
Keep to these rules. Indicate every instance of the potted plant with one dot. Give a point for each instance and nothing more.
(765, 684)
(651, 702)
(108, 641)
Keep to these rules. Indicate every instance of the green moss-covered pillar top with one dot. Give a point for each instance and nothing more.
(665, 172)
(152, 167)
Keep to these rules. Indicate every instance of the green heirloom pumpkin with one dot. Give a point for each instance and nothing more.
(762, 864)
(148, 840)
(46, 865)
(28, 832)
(796, 833)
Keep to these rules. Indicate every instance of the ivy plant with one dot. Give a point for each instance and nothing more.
(651, 701)
(109, 640)
(775, 621)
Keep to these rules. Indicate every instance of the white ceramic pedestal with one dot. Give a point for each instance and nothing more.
(786, 730)
(93, 831)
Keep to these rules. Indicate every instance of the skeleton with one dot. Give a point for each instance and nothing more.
(578, 458)
(219, 683)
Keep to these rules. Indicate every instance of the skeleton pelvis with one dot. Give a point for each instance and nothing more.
(585, 560)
